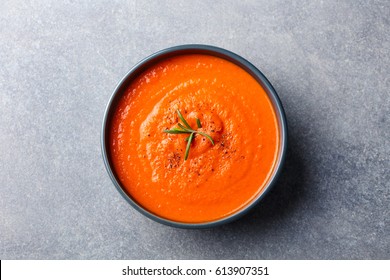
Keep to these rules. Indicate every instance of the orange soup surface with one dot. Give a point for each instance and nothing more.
(216, 180)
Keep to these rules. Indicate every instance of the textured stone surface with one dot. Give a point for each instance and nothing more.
(329, 62)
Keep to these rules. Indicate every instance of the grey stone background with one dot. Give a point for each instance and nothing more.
(328, 60)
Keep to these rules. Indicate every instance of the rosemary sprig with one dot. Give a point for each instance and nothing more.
(185, 128)
(188, 145)
(198, 123)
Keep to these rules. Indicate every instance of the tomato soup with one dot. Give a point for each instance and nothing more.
(217, 179)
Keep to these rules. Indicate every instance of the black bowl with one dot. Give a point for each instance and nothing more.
(207, 50)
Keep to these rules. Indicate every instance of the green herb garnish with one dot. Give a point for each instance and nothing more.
(198, 123)
(185, 128)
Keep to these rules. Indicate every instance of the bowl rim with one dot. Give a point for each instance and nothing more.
(208, 50)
